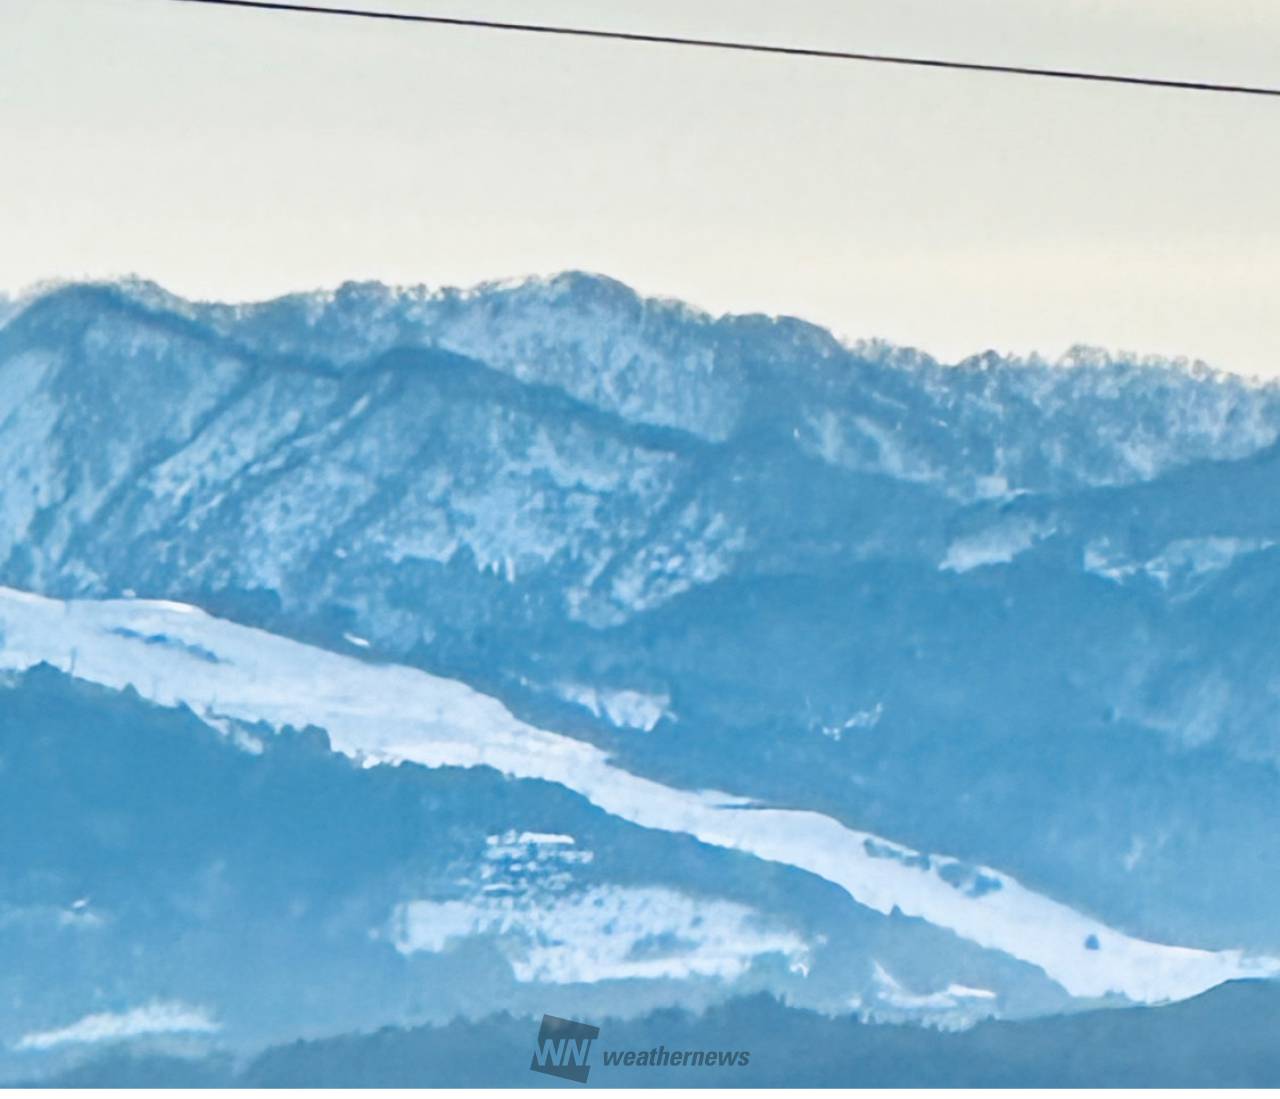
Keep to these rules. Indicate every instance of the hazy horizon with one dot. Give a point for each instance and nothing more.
(236, 155)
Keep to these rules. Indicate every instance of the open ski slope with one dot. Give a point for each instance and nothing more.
(175, 654)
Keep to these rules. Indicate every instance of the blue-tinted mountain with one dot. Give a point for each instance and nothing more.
(1013, 611)
(1220, 1039)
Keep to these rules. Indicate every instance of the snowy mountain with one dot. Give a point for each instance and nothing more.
(388, 714)
(926, 692)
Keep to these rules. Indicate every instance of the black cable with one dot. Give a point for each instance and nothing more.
(750, 47)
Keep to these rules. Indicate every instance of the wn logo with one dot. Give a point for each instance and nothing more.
(563, 1048)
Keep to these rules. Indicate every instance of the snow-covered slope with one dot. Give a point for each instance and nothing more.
(385, 714)
(1012, 611)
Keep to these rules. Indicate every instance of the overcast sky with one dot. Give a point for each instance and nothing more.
(237, 154)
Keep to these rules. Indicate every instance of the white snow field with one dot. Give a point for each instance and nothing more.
(386, 714)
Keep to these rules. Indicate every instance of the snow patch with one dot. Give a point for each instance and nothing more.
(623, 709)
(1187, 558)
(996, 545)
(153, 1018)
(1182, 561)
(603, 933)
(891, 991)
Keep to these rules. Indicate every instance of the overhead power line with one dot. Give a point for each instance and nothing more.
(747, 47)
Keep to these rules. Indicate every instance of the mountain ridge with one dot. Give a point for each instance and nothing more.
(1013, 612)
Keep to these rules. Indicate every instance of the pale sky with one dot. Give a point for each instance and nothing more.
(235, 154)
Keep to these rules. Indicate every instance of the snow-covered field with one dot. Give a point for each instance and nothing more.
(174, 654)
